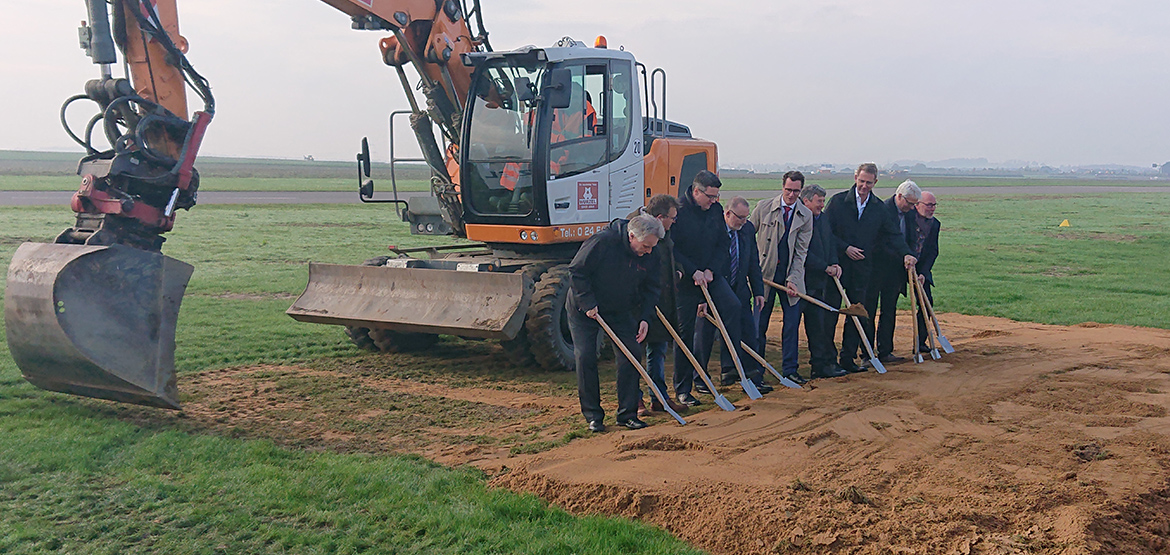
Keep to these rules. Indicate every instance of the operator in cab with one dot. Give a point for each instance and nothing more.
(612, 278)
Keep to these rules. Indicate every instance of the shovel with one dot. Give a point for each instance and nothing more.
(914, 311)
(930, 335)
(720, 400)
(633, 360)
(855, 309)
(873, 359)
(783, 381)
(942, 339)
(748, 386)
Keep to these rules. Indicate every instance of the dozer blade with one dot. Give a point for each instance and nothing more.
(474, 304)
(96, 321)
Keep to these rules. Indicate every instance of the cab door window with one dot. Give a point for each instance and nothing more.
(578, 140)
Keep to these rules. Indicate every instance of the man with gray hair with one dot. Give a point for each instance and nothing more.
(891, 273)
(820, 267)
(612, 277)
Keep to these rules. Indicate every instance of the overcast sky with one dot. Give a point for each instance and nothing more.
(770, 81)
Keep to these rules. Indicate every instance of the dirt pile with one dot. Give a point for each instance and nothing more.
(1029, 439)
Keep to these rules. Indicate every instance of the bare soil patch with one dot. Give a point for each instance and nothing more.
(1029, 439)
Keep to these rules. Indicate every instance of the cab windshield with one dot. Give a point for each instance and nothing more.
(501, 136)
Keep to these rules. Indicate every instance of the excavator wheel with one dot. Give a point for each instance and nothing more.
(547, 326)
(389, 341)
(361, 336)
(519, 349)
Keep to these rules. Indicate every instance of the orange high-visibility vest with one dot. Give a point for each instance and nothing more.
(510, 176)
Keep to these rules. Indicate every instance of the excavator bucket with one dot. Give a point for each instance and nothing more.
(96, 321)
(473, 304)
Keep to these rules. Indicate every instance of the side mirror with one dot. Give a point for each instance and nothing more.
(556, 89)
(364, 157)
(524, 91)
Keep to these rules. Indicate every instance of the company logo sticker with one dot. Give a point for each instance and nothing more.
(587, 195)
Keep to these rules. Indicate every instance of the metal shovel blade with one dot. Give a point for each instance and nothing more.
(723, 402)
(666, 406)
(946, 345)
(855, 309)
(918, 358)
(877, 365)
(934, 354)
(96, 321)
(750, 388)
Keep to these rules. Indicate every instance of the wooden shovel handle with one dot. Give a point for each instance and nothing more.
(819, 303)
(633, 360)
(723, 330)
(686, 351)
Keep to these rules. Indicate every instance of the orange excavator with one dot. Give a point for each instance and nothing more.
(536, 150)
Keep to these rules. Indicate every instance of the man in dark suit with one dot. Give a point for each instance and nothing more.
(820, 266)
(742, 273)
(926, 247)
(891, 272)
(701, 251)
(862, 225)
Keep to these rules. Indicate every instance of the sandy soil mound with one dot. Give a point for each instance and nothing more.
(1029, 439)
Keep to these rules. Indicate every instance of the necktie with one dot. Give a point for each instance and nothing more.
(734, 255)
(902, 222)
(787, 216)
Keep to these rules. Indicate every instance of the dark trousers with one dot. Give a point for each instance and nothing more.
(922, 338)
(745, 322)
(789, 330)
(689, 299)
(892, 286)
(857, 287)
(819, 327)
(584, 331)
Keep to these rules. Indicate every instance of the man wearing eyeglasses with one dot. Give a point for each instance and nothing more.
(746, 281)
(862, 225)
(701, 249)
(926, 248)
(891, 270)
(784, 227)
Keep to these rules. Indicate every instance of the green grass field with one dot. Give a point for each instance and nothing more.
(75, 476)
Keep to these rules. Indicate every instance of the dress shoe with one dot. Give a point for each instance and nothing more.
(830, 372)
(688, 400)
(891, 359)
(643, 411)
(701, 387)
(763, 387)
(852, 368)
(672, 404)
(796, 378)
(924, 348)
(728, 380)
(633, 424)
(596, 426)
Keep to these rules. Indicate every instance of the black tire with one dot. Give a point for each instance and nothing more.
(389, 341)
(385, 340)
(519, 349)
(361, 338)
(547, 323)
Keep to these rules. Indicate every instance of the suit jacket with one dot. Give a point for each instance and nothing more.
(890, 268)
(822, 253)
(749, 280)
(929, 251)
(874, 230)
(768, 218)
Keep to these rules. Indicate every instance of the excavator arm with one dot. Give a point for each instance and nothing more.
(94, 312)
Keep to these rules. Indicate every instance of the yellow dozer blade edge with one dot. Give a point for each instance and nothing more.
(474, 304)
(96, 321)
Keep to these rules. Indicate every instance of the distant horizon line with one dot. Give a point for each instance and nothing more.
(902, 162)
